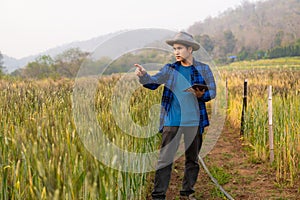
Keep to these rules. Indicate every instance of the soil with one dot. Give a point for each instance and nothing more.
(249, 178)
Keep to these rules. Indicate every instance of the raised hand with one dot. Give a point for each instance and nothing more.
(140, 70)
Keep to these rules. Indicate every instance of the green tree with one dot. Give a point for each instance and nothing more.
(68, 63)
(278, 38)
(42, 67)
(206, 42)
(230, 42)
(244, 54)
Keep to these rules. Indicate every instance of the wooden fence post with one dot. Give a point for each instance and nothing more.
(226, 89)
(270, 116)
(244, 106)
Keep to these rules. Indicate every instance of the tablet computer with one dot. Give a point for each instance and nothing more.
(195, 86)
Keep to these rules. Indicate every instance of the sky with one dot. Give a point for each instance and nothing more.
(28, 27)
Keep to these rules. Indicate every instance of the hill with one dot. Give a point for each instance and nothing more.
(254, 26)
(11, 64)
(246, 29)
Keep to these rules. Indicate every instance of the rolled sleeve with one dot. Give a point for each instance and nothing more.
(153, 82)
(210, 82)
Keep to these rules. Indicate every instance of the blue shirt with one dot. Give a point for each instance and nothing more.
(200, 73)
(184, 109)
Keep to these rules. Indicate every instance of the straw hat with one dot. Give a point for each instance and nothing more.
(184, 38)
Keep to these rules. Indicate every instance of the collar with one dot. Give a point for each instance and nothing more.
(176, 64)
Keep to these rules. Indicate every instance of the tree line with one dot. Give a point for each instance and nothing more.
(65, 64)
(284, 51)
(70, 62)
(252, 30)
(226, 51)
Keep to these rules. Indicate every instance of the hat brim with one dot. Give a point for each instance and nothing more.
(194, 45)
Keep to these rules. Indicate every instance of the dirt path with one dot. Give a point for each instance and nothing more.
(244, 177)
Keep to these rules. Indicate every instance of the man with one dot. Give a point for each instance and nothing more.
(183, 112)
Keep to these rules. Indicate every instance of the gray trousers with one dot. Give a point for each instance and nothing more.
(171, 141)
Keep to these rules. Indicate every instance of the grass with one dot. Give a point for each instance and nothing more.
(284, 78)
(220, 175)
(43, 156)
(265, 64)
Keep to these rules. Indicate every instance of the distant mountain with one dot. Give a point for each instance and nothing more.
(255, 26)
(11, 64)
